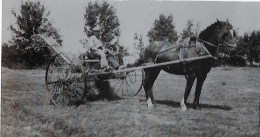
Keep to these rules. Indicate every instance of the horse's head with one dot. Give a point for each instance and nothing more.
(226, 35)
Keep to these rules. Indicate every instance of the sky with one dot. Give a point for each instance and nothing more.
(138, 17)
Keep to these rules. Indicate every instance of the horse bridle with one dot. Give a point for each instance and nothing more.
(220, 42)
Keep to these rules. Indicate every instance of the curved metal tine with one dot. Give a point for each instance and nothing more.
(75, 92)
(51, 97)
(117, 83)
(72, 71)
(128, 87)
(131, 79)
(54, 102)
(130, 75)
(49, 78)
(57, 88)
(54, 70)
(60, 70)
(52, 88)
(61, 96)
(60, 74)
(120, 87)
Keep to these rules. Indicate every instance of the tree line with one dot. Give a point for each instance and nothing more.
(25, 50)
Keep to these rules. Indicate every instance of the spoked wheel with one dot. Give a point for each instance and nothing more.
(62, 81)
(127, 84)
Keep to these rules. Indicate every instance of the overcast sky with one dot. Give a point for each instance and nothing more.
(138, 17)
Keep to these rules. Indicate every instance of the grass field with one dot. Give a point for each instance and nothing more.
(229, 101)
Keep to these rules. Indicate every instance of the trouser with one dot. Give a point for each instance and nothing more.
(103, 61)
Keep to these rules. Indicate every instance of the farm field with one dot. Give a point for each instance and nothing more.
(229, 101)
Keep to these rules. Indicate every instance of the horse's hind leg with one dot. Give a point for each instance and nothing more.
(200, 80)
(150, 77)
(189, 83)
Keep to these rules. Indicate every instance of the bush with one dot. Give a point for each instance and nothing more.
(13, 60)
(233, 61)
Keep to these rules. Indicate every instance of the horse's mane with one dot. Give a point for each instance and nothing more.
(208, 31)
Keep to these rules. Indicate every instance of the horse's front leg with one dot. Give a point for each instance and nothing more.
(150, 77)
(189, 83)
(200, 80)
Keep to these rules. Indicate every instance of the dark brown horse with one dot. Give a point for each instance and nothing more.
(219, 35)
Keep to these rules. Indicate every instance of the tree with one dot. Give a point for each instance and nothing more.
(243, 45)
(163, 29)
(31, 21)
(197, 29)
(101, 21)
(187, 32)
(138, 44)
(190, 29)
(249, 46)
(255, 46)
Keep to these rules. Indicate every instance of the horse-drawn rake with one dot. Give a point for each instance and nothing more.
(69, 78)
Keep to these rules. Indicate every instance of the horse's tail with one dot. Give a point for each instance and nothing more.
(142, 83)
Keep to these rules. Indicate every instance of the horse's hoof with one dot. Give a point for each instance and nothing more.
(183, 108)
(149, 103)
(197, 107)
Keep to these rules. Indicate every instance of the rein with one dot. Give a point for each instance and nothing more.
(210, 44)
(167, 50)
(174, 48)
(217, 46)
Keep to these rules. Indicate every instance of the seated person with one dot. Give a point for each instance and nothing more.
(108, 57)
(100, 52)
(109, 60)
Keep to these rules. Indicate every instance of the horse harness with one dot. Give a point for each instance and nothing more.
(181, 47)
(185, 44)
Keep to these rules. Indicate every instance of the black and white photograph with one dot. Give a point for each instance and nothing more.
(141, 68)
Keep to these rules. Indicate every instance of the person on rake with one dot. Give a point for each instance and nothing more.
(96, 49)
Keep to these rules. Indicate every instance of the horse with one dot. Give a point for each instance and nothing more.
(218, 35)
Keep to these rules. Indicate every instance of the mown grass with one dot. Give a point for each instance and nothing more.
(230, 109)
